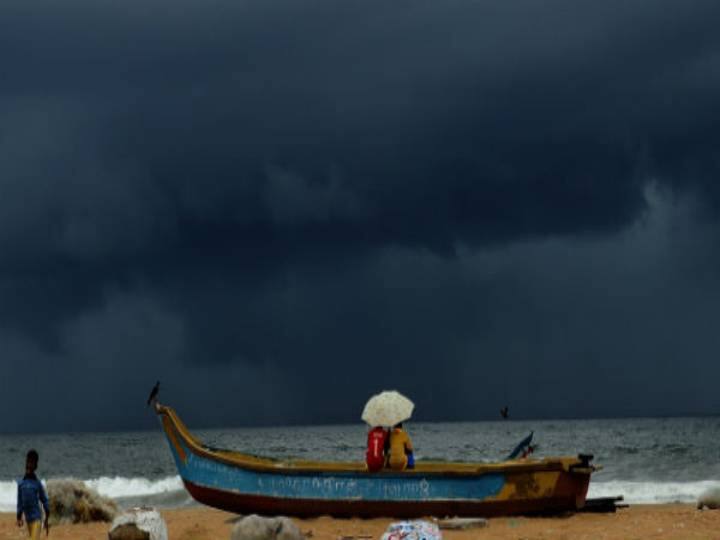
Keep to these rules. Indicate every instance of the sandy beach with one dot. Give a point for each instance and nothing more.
(677, 521)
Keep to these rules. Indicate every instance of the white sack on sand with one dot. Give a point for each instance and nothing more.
(254, 527)
(147, 520)
(710, 499)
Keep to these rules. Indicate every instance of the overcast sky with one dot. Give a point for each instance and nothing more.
(281, 207)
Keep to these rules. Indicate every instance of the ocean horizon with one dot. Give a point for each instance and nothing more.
(646, 460)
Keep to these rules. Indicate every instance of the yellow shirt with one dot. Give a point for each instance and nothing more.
(399, 442)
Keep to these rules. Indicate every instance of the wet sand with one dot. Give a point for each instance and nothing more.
(674, 521)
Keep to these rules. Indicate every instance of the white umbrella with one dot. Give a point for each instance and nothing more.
(387, 409)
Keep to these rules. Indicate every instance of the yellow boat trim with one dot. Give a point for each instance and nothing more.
(170, 430)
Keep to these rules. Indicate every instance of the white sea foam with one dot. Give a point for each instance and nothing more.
(134, 487)
(652, 492)
(115, 488)
(169, 488)
(8, 496)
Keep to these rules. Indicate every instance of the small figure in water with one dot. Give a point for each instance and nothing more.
(504, 412)
(30, 494)
(401, 449)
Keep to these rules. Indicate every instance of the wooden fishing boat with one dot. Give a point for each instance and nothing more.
(244, 484)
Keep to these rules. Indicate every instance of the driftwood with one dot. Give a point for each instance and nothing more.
(462, 523)
(601, 505)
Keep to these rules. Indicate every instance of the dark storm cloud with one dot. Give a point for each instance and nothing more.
(281, 189)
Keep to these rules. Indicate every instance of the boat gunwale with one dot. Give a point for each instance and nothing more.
(424, 468)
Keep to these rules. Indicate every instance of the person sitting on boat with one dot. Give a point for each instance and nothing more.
(400, 448)
(377, 443)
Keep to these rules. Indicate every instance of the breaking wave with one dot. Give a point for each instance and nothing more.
(652, 492)
(163, 492)
(170, 493)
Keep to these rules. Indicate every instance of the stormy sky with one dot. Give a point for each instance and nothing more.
(281, 207)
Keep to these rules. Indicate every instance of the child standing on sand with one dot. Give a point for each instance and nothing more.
(30, 494)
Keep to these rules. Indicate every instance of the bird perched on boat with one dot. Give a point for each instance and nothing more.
(153, 393)
(504, 412)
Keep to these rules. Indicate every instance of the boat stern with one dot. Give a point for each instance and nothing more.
(551, 486)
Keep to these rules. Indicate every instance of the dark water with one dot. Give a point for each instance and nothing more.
(646, 460)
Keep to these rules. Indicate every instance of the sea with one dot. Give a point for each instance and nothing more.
(646, 460)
